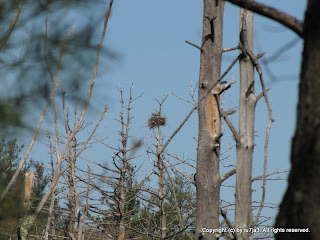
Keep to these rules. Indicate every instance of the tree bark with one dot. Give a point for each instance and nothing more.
(122, 205)
(300, 207)
(208, 179)
(161, 179)
(161, 192)
(243, 211)
(124, 170)
(72, 197)
(23, 229)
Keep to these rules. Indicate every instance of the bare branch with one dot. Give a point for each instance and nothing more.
(196, 105)
(182, 99)
(230, 49)
(194, 45)
(78, 125)
(267, 175)
(229, 224)
(95, 71)
(255, 62)
(53, 92)
(259, 70)
(186, 176)
(261, 94)
(4, 40)
(230, 112)
(264, 171)
(272, 13)
(182, 161)
(93, 131)
(260, 55)
(230, 125)
(228, 174)
(53, 196)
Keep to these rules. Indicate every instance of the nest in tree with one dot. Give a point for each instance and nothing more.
(156, 120)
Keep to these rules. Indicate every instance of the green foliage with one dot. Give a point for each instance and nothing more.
(180, 201)
(40, 182)
(12, 208)
(179, 209)
(132, 207)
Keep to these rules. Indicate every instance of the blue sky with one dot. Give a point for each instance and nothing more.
(149, 36)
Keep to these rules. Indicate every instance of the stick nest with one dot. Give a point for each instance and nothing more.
(156, 121)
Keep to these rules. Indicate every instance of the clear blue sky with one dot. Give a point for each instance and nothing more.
(149, 39)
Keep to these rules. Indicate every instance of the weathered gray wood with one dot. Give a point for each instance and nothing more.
(247, 102)
(208, 179)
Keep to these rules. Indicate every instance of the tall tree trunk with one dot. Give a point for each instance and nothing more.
(122, 184)
(122, 205)
(300, 207)
(243, 211)
(72, 206)
(208, 179)
(163, 217)
(124, 169)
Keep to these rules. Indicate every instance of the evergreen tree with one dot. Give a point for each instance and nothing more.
(111, 219)
(179, 209)
(12, 208)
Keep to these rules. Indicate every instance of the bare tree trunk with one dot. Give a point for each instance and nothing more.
(124, 169)
(163, 218)
(301, 203)
(83, 231)
(53, 197)
(122, 205)
(72, 190)
(50, 217)
(243, 211)
(208, 179)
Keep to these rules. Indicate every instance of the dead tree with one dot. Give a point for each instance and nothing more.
(120, 189)
(297, 209)
(123, 168)
(164, 215)
(208, 179)
(156, 121)
(245, 144)
(74, 214)
(50, 228)
(61, 155)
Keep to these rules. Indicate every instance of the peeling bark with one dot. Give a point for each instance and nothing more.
(208, 179)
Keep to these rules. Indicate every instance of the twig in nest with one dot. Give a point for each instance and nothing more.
(156, 120)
